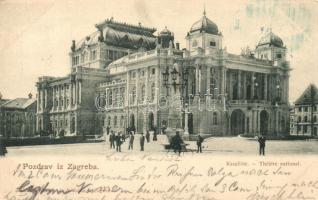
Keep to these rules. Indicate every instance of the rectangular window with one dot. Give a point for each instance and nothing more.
(306, 109)
(299, 109)
(305, 129)
(153, 71)
(212, 44)
(110, 55)
(93, 55)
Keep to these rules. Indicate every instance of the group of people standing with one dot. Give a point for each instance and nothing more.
(117, 139)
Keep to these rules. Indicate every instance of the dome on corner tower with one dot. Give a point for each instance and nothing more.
(206, 25)
(271, 39)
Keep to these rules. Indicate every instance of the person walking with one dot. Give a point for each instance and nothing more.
(131, 141)
(112, 140)
(148, 136)
(107, 130)
(142, 142)
(118, 140)
(262, 141)
(123, 137)
(176, 143)
(199, 143)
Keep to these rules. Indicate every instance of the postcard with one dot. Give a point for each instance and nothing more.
(159, 99)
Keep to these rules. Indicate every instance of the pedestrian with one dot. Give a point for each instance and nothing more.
(3, 149)
(148, 136)
(154, 134)
(199, 143)
(262, 141)
(123, 137)
(112, 140)
(131, 141)
(118, 140)
(142, 142)
(176, 143)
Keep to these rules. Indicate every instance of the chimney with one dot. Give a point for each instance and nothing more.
(178, 46)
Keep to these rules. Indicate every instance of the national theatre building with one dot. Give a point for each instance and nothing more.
(123, 76)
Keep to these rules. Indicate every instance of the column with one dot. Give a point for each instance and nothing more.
(76, 124)
(65, 102)
(197, 79)
(208, 77)
(253, 84)
(186, 127)
(80, 92)
(45, 93)
(71, 94)
(137, 97)
(258, 122)
(244, 86)
(265, 87)
(75, 92)
(137, 86)
(239, 85)
(230, 95)
(222, 81)
(38, 101)
(147, 86)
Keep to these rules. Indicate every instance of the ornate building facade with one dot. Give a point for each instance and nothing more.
(305, 113)
(151, 83)
(67, 104)
(201, 89)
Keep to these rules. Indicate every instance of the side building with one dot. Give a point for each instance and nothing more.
(18, 118)
(304, 119)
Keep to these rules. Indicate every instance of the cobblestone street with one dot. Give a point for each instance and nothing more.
(216, 145)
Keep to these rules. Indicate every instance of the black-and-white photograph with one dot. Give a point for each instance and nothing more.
(134, 77)
(158, 100)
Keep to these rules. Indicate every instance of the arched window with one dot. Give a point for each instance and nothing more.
(109, 119)
(110, 97)
(116, 95)
(153, 92)
(122, 121)
(305, 119)
(215, 118)
(143, 92)
(115, 121)
(133, 91)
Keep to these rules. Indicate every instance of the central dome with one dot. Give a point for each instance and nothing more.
(271, 39)
(206, 25)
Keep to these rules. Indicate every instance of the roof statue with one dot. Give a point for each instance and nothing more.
(119, 34)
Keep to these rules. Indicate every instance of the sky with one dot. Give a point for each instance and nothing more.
(36, 35)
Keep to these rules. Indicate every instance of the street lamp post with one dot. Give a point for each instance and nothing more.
(186, 118)
(174, 76)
